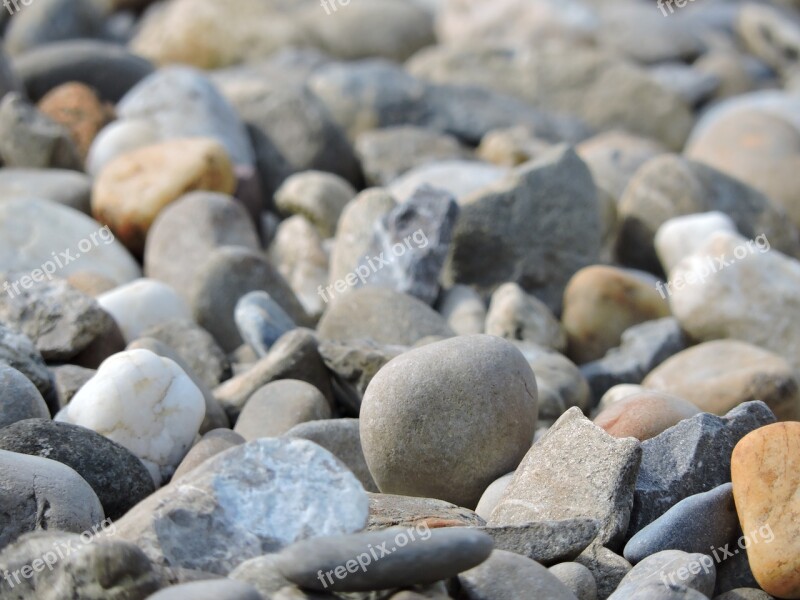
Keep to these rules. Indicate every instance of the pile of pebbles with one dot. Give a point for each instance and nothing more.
(400, 299)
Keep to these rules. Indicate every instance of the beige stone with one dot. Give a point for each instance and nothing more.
(644, 415)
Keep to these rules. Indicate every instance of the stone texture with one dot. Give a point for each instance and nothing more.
(546, 542)
(644, 415)
(480, 387)
(607, 567)
(575, 470)
(515, 315)
(19, 398)
(388, 510)
(261, 321)
(266, 494)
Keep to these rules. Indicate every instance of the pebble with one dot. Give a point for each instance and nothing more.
(607, 567)
(577, 578)
(18, 352)
(158, 424)
(461, 178)
(515, 315)
(478, 387)
(491, 496)
(20, 399)
(669, 568)
(261, 321)
(389, 510)
(266, 494)
(424, 557)
(595, 479)
(764, 472)
(682, 236)
(53, 21)
(70, 188)
(463, 309)
(546, 542)
(744, 594)
(320, 197)
(209, 590)
(644, 415)
(211, 444)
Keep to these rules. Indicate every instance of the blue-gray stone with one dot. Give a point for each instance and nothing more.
(261, 321)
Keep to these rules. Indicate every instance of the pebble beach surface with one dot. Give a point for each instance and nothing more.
(400, 300)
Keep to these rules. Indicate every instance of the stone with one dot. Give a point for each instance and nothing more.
(52, 21)
(680, 237)
(505, 574)
(266, 494)
(491, 496)
(389, 510)
(209, 590)
(478, 386)
(600, 303)
(694, 86)
(278, 406)
(261, 321)
(546, 542)
(764, 472)
(155, 176)
(744, 594)
(427, 218)
(503, 234)
(117, 138)
(228, 274)
(38, 493)
(695, 524)
(758, 312)
(720, 375)
(18, 352)
(29, 139)
(60, 320)
(735, 572)
(118, 477)
(212, 443)
(669, 186)
(690, 458)
(341, 438)
(77, 107)
(294, 356)
(575, 470)
(386, 154)
(771, 34)
(461, 178)
(107, 67)
(642, 348)
(644, 415)
(69, 188)
(672, 568)
(424, 557)
(157, 424)
(263, 574)
(30, 229)
(607, 567)
(512, 147)
(91, 283)
(577, 578)
(515, 315)
(381, 315)
(657, 590)
(318, 196)
(19, 398)
(141, 305)
(463, 308)
(186, 233)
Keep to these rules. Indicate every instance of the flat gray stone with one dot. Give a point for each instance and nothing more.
(546, 542)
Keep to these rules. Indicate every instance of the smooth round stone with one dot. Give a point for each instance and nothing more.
(30, 229)
(479, 389)
(696, 571)
(512, 147)
(679, 237)
(142, 304)
(463, 308)
(657, 590)
(211, 444)
(765, 469)
(262, 573)
(70, 188)
(695, 524)
(116, 139)
(644, 415)
(600, 303)
(412, 556)
(382, 315)
(261, 321)
(41, 23)
(491, 496)
(18, 352)
(119, 478)
(146, 404)
(617, 393)
(744, 594)
(577, 578)
(506, 574)
(318, 196)
(30, 483)
(214, 589)
(19, 398)
(718, 376)
(134, 188)
(278, 406)
(515, 315)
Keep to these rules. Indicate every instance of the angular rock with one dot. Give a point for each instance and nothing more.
(515, 315)
(266, 494)
(19, 398)
(546, 542)
(388, 510)
(261, 321)
(575, 470)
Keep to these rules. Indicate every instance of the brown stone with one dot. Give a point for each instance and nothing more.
(644, 415)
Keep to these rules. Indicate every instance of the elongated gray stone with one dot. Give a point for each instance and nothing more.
(261, 321)
(546, 542)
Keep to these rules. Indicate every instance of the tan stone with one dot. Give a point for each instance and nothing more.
(644, 415)
(765, 469)
(718, 376)
(600, 303)
(132, 189)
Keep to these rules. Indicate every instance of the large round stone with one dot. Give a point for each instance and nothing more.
(447, 419)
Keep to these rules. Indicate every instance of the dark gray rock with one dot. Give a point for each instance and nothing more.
(17, 351)
(692, 457)
(261, 321)
(384, 559)
(415, 239)
(695, 524)
(607, 567)
(117, 476)
(19, 398)
(671, 569)
(643, 347)
(546, 542)
(42, 23)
